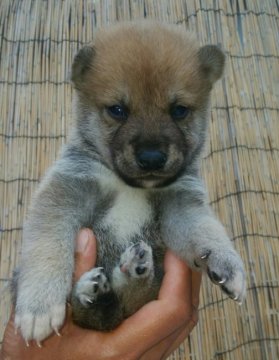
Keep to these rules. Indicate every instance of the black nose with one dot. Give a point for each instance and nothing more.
(151, 159)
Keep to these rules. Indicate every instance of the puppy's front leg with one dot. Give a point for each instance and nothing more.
(45, 274)
(190, 229)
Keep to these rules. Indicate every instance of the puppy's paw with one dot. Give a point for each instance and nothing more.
(90, 286)
(137, 261)
(37, 324)
(224, 268)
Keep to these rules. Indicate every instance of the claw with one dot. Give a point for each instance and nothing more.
(39, 344)
(56, 331)
(27, 343)
(205, 256)
(89, 300)
(215, 277)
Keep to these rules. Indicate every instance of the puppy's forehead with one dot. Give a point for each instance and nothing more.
(135, 64)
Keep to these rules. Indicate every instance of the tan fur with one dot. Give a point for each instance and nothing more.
(145, 67)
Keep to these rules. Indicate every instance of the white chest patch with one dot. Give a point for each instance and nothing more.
(129, 213)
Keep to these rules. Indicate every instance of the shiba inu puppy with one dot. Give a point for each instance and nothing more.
(130, 171)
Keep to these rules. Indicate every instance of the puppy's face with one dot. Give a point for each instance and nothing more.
(143, 95)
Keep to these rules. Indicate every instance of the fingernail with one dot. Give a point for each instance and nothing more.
(82, 241)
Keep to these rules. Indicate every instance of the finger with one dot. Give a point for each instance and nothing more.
(181, 336)
(86, 250)
(196, 285)
(11, 340)
(142, 330)
(176, 272)
(165, 347)
(158, 350)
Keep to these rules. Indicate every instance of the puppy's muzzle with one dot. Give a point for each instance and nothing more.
(151, 160)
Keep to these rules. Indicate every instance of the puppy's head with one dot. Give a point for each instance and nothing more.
(143, 92)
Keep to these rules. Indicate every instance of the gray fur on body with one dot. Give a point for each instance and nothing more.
(134, 219)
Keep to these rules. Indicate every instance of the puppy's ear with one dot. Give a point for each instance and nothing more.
(212, 61)
(82, 63)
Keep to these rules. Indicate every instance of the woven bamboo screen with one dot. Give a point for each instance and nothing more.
(38, 40)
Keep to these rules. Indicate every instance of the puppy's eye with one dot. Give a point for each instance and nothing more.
(117, 112)
(179, 112)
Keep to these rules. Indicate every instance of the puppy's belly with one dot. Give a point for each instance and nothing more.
(128, 215)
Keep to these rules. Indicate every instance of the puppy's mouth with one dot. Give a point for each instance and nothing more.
(153, 179)
(149, 168)
(148, 181)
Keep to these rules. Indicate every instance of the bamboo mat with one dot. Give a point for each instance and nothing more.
(38, 41)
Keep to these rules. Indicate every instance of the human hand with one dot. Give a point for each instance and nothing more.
(153, 332)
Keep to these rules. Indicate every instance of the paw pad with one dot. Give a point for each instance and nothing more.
(137, 261)
(91, 284)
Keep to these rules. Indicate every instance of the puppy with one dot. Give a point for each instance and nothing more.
(130, 171)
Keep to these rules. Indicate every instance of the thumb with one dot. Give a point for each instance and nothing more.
(86, 252)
